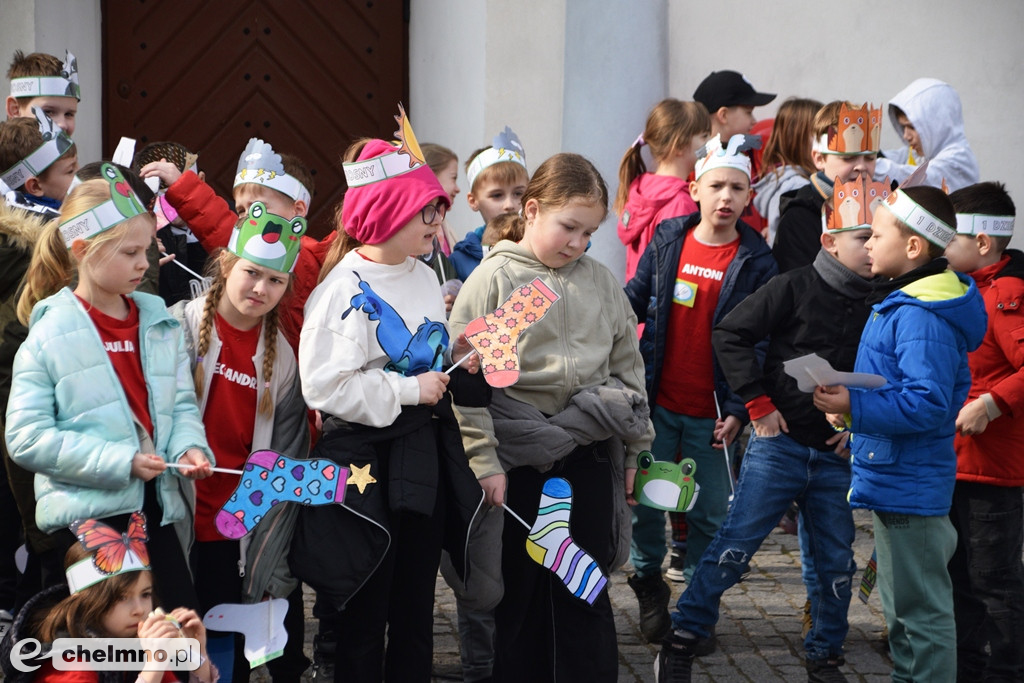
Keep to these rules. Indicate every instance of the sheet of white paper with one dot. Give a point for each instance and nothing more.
(261, 623)
(812, 371)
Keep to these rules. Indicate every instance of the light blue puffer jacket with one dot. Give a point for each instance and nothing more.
(68, 418)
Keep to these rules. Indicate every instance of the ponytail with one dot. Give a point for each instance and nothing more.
(631, 167)
(50, 270)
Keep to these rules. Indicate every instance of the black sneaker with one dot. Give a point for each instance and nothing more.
(675, 660)
(652, 594)
(825, 670)
(675, 566)
(324, 647)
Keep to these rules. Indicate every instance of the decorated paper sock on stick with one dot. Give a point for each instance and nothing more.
(495, 335)
(262, 624)
(551, 544)
(270, 478)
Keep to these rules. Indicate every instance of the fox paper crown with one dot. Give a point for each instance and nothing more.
(858, 131)
(267, 239)
(407, 157)
(853, 204)
(977, 224)
(112, 553)
(916, 217)
(261, 165)
(714, 155)
(504, 147)
(122, 205)
(65, 85)
(55, 143)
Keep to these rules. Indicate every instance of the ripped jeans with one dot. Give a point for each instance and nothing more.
(777, 470)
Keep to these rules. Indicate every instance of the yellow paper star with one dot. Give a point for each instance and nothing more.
(360, 476)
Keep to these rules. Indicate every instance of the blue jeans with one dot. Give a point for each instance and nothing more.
(776, 471)
(691, 436)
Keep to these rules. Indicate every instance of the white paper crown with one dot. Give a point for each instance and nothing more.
(260, 164)
(714, 155)
(919, 219)
(122, 205)
(55, 143)
(858, 131)
(407, 157)
(113, 553)
(504, 147)
(979, 223)
(65, 85)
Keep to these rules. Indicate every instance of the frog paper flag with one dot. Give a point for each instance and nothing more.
(666, 485)
(495, 336)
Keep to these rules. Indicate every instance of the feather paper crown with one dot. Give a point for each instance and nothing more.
(65, 85)
(55, 143)
(260, 164)
(714, 155)
(858, 131)
(505, 146)
(123, 205)
(915, 216)
(853, 204)
(112, 553)
(407, 157)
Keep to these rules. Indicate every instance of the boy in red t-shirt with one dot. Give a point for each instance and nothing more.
(695, 270)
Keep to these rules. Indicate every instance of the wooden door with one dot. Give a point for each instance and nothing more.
(307, 76)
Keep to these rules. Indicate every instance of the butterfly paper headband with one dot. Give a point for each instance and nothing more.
(504, 147)
(853, 204)
(113, 553)
(714, 155)
(267, 239)
(261, 165)
(65, 85)
(977, 224)
(858, 131)
(55, 143)
(122, 205)
(407, 157)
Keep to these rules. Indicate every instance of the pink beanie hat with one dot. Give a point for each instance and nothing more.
(388, 186)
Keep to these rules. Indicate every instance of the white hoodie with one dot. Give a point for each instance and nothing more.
(933, 107)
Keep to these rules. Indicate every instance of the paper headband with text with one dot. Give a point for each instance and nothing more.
(504, 147)
(919, 219)
(407, 157)
(714, 155)
(977, 224)
(55, 143)
(122, 205)
(113, 553)
(260, 164)
(853, 204)
(858, 131)
(64, 85)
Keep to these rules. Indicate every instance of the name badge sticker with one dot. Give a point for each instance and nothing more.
(684, 293)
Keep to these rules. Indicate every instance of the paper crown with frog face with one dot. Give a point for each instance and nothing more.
(853, 204)
(267, 239)
(64, 85)
(55, 144)
(123, 205)
(715, 155)
(261, 165)
(504, 147)
(916, 217)
(858, 131)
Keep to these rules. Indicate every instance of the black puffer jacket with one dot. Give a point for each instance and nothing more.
(798, 238)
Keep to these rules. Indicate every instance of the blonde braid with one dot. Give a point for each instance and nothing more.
(205, 330)
(270, 322)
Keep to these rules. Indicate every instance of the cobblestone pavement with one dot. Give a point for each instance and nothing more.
(758, 633)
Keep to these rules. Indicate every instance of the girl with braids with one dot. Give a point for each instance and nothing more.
(250, 398)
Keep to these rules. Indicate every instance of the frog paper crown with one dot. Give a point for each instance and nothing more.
(122, 205)
(504, 147)
(55, 143)
(853, 204)
(915, 216)
(260, 164)
(858, 131)
(65, 85)
(406, 158)
(267, 239)
(113, 553)
(714, 155)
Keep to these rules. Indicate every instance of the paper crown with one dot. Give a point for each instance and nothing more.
(853, 204)
(666, 485)
(407, 157)
(916, 217)
(504, 147)
(858, 131)
(260, 164)
(122, 205)
(65, 85)
(267, 239)
(714, 155)
(977, 224)
(113, 553)
(55, 143)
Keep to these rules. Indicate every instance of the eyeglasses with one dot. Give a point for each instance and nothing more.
(432, 211)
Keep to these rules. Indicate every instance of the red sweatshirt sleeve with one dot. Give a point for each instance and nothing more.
(208, 216)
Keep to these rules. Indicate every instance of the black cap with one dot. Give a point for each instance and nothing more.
(729, 89)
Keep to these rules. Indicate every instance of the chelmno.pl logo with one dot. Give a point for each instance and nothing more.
(109, 654)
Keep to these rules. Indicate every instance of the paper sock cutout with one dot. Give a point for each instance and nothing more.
(869, 578)
(262, 624)
(495, 335)
(551, 545)
(270, 478)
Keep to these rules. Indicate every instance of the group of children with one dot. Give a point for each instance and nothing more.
(361, 354)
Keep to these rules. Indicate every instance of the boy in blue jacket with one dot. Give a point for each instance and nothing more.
(924, 321)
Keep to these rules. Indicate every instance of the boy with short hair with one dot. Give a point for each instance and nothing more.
(37, 161)
(497, 177)
(924, 321)
(986, 569)
(845, 148)
(694, 271)
(42, 81)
